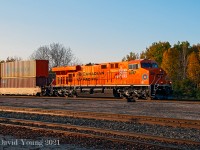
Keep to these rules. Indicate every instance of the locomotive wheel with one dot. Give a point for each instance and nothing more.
(39, 94)
(116, 94)
(74, 96)
(60, 93)
(56, 93)
(91, 91)
(66, 96)
(148, 98)
(131, 100)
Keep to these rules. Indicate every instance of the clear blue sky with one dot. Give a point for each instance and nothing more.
(96, 30)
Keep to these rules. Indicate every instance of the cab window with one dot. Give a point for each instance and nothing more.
(133, 66)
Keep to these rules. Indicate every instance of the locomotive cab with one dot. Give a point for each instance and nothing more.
(160, 84)
(153, 81)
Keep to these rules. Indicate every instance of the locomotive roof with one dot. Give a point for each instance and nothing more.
(142, 60)
(132, 61)
(73, 68)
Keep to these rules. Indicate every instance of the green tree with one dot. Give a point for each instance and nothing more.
(199, 52)
(156, 50)
(196, 48)
(131, 56)
(184, 89)
(142, 55)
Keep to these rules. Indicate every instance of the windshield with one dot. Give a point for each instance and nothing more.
(146, 65)
(154, 65)
(149, 65)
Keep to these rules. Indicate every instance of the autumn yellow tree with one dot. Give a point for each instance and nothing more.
(170, 63)
(196, 48)
(184, 51)
(193, 68)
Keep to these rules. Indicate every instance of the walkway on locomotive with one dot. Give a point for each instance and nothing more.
(141, 72)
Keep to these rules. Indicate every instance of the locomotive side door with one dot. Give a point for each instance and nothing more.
(70, 77)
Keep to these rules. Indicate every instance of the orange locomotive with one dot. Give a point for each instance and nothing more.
(133, 79)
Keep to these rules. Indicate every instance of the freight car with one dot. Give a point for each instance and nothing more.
(132, 80)
(23, 77)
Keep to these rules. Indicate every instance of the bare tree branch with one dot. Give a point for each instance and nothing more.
(57, 55)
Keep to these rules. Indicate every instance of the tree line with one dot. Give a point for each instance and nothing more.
(180, 61)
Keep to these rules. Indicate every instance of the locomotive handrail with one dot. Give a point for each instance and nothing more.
(153, 80)
(157, 82)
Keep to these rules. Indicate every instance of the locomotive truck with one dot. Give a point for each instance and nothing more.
(132, 80)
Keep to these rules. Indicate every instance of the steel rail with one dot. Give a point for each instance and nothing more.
(184, 123)
(101, 98)
(97, 133)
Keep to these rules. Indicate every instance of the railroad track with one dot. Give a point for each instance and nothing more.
(70, 98)
(109, 135)
(94, 141)
(184, 123)
(36, 119)
(102, 98)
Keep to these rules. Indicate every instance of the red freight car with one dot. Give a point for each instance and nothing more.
(134, 79)
(23, 77)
